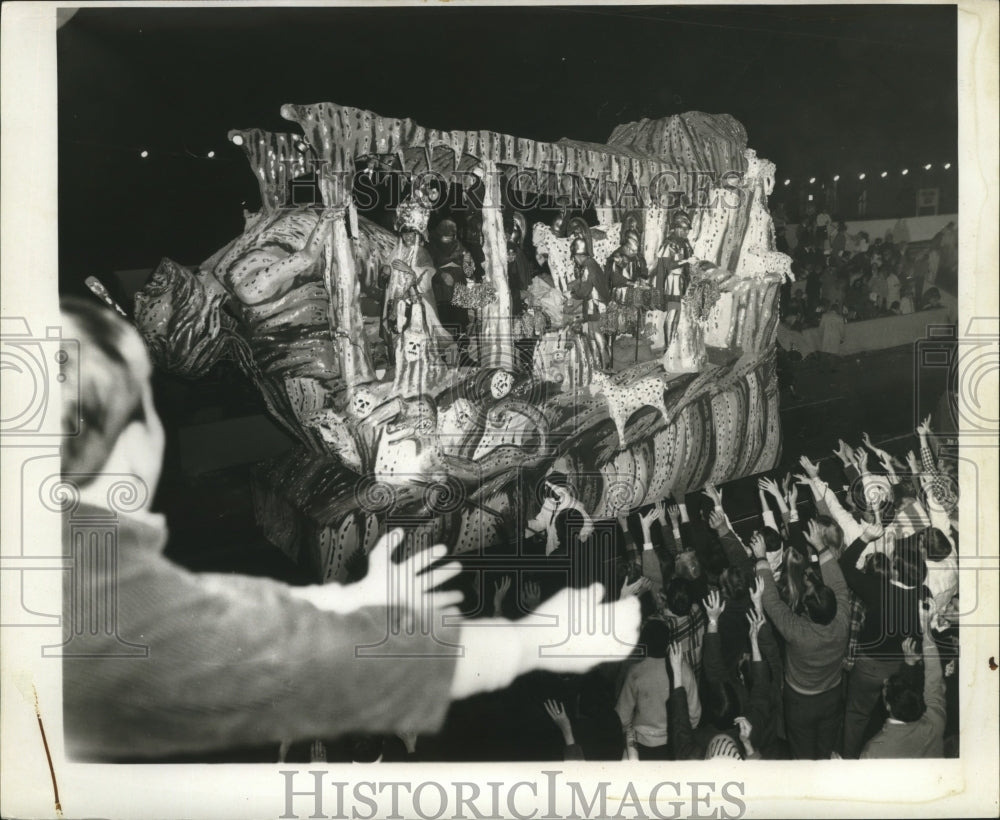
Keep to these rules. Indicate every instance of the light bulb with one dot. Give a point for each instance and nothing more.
(144, 153)
(861, 175)
(211, 154)
(237, 139)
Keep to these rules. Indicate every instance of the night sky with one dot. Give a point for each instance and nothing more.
(819, 90)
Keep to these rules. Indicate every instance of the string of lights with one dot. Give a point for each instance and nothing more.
(863, 175)
(153, 152)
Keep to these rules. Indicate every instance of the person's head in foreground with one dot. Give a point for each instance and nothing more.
(107, 396)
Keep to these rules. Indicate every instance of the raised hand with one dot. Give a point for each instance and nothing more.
(531, 594)
(887, 463)
(746, 728)
(714, 493)
(811, 469)
(636, 589)
(714, 605)
(792, 496)
(912, 463)
(757, 545)
(717, 521)
(554, 709)
(677, 660)
(757, 595)
(844, 452)
(660, 510)
(675, 515)
(647, 518)
(787, 483)
(756, 621)
(500, 590)
(871, 531)
(924, 428)
(814, 535)
(861, 459)
(409, 587)
(866, 440)
(910, 654)
(769, 485)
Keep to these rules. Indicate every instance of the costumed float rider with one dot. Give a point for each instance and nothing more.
(626, 268)
(672, 272)
(411, 274)
(590, 285)
(455, 266)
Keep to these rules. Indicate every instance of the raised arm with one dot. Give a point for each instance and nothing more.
(868, 587)
(790, 626)
(736, 553)
(934, 692)
(713, 663)
(825, 498)
(679, 725)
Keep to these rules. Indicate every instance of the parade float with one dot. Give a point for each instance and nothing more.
(391, 428)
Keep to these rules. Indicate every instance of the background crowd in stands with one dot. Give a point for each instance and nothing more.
(829, 629)
(856, 277)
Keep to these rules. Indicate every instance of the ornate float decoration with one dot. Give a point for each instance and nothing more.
(457, 450)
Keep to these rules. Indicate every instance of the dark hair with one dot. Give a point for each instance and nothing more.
(654, 638)
(366, 748)
(908, 564)
(678, 595)
(905, 701)
(792, 584)
(935, 543)
(819, 601)
(721, 703)
(772, 540)
(878, 564)
(735, 583)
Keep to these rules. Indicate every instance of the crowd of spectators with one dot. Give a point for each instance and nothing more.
(855, 278)
(828, 630)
